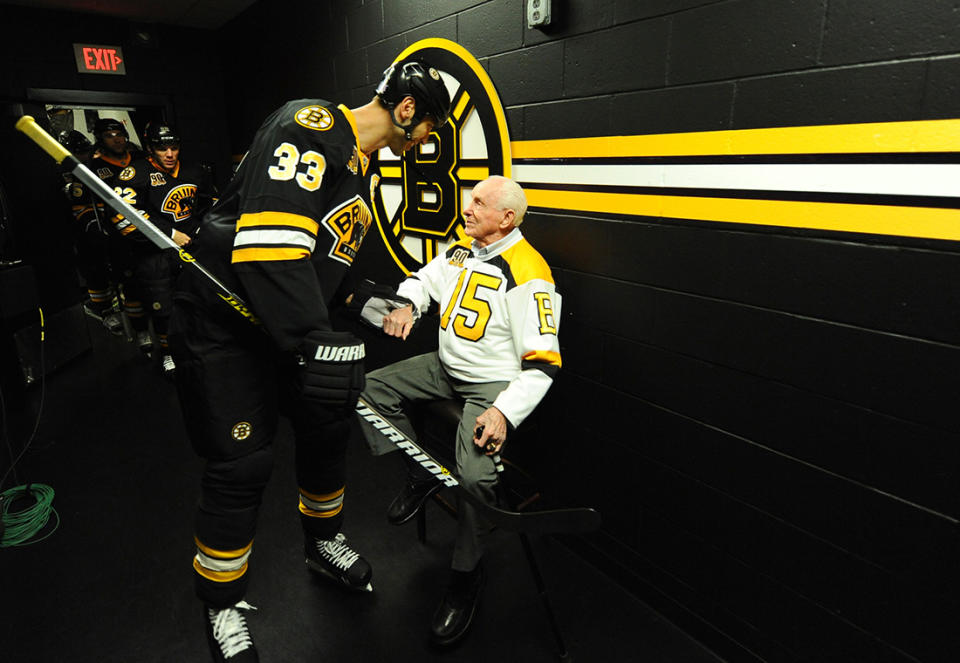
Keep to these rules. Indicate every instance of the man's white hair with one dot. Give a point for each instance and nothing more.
(511, 197)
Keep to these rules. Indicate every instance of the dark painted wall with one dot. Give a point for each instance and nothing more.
(36, 48)
(765, 417)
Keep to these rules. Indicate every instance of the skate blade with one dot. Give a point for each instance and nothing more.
(316, 568)
(92, 314)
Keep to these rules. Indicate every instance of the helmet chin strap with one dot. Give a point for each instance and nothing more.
(407, 129)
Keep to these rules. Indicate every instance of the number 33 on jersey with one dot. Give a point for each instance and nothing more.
(307, 192)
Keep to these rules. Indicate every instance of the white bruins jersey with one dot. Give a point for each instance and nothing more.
(499, 315)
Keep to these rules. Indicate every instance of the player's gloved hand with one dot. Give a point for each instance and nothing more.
(73, 190)
(331, 369)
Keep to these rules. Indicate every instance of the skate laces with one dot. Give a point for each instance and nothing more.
(230, 628)
(337, 552)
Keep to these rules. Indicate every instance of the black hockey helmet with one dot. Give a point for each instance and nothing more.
(159, 135)
(419, 80)
(105, 124)
(74, 141)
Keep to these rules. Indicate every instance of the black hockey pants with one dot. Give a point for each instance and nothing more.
(232, 389)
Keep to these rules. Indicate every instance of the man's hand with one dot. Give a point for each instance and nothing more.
(398, 322)
(492, 428)
(182, 239)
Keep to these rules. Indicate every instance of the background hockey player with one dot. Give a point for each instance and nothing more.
(113, 154)
(282, 236)
(173, 196)
(498, 352)
(92, 242)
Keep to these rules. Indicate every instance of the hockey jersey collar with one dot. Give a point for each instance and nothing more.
(498, 247)
(122, 163)
(364, 158)
(156, 164)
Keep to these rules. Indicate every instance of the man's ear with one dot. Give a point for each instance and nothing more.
(508, 217)
(406, 109)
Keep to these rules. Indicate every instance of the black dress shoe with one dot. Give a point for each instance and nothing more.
(410, 500)
(455, 614)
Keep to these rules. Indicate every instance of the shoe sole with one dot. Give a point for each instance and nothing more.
(430, 493)
(322, 570)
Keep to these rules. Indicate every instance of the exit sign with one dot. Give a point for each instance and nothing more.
(99, 59)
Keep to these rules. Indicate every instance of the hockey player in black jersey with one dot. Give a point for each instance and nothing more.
(91, 244)
(173, 196)
(282, 236)
(112, 155)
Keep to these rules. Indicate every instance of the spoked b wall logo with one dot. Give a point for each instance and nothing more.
(422, 194)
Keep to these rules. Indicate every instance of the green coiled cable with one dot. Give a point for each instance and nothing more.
(19, 527)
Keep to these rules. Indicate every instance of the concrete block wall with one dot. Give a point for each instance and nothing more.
(764, 414)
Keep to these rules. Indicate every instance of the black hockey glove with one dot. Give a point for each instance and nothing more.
(331, 371)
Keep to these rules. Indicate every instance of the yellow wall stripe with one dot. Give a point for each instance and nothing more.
(278, 219)
(846, 217)
(921, 136)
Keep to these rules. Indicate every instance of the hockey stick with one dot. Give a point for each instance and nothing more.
(556, 521)
(60, 154)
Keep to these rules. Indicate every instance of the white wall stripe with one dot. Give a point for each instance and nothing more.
(885, 179)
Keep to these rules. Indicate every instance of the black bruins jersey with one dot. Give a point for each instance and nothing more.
(86, 208)
(291, 221)
(170, 200)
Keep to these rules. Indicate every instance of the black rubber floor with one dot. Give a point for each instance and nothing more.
(113, 583)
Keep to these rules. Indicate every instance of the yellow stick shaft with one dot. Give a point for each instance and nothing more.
(34, 132)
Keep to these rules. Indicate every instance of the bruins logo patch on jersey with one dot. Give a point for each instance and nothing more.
(317, 118)
(179, 201)
(241, 431)
(127, 173)
(348, 224)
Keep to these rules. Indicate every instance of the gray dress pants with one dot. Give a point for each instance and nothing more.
(422, 378)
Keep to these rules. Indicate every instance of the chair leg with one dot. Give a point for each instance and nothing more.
(542, 591)
(503, 494)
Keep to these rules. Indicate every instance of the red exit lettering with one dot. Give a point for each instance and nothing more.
(98, 59)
